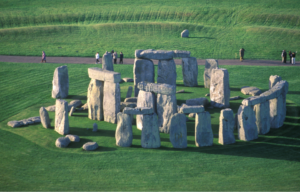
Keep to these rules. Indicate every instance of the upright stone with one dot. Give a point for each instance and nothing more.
(166, 72)
(226, 127)
(219, 88)
(190, 71)
(145, 99)
(166, 107)
(61, 117)
(95, 100)
(129, 92)
(143, 70)
(178, 131)
(185, 33)
(44, 116)
(150, 134)
(60, 83)
(262, 114)
(210, 64)
(111, 101)
(95, 127)
(107, 62)
(247, 128)
(123, 133)
(203, 131)
(273, 80)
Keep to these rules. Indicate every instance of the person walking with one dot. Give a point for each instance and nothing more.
(43, 56)
(115, 56)
(121, 58)
(97, 58)
(294, 58)
(290, 54)
(283, 56)
(242, 50)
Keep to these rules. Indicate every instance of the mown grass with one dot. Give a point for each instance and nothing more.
(30, 160)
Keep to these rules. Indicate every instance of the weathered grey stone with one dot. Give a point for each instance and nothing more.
(61, 117)
(235, 98)
(150, 137)
(219, 88)
(95, 99)
(138, 52)
(145, 99)
(273, 80)
(24, 122)
(143, 70)
(197, 101)
(164, 89)
(50, 108)
(60, 83)
(127, 79)
(129, 92)
(191, 109)
(251, 91)
(251, 101)
(262, 114)
(62, 142)
(180, 91)
(85, 107)
(166, 107)
(271, 93)
(127, 104)
(166, 72)
(156, 54)
(123, 133)
(192, 115)
(74, 103)
(203, 131)
(226, 127)
(138, 110)
(15, 124)
(178, 130)
(210, 64)
(247, 129)
(131, 99)
(95, 127)
(71, 111)
(90, 146)
(104, 75)
(73, 138)
(111, 101)
(190, 71)
(185, 33)
(44, 116)
(107, 62)
(182, 54)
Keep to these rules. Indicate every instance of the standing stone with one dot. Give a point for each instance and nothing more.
(219, 88)
(178, 131)
(44, 116)
(95, 127)
(150, 134)
(190, 71)
(262, 114)
(145, 99)
(60, 83)
(166, 72)
(197, 101)
(226, 127)
(129, 92)
(210, 64)
(123, 133)
(71, 111)
(247, 128)
(111, 101)
(166, 107)
(61, 117)
(143, 70)
(95, 100)
(185, 33)
(107, 62)
(273, 80)
(203, 131)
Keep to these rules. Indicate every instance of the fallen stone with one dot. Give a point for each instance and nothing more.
(166, 107)
(24, 122)
(145, 99)
(210, 64)
(95, 100)
(251, 91)
(191, 109)
(129, 92)
(251, 101)
(95, 127)
(150, 137)
(74, 103)
(192, 115)
(235, 98)
(154, 54)
(273, 80)
(73, 138)
(104, 75)
(90, 146)
(198, 101)
(71, 111)
(262, 114)
(127, 104)
(138, 110)
(60, 83)
(111, 101)
(247, 129)
(123, 133)
(127, 79)
(143, 70)
(185, 33)
(61, 117)
(131, 99)
(15, 124)
(182, 54)
(166, 72)
(190, 71)
(44, 116)
(219, 88)
(107, 62)
(178, 130)
(62, 142)
(163, 89)
(203, 131)
(180, 91)
(226, 127)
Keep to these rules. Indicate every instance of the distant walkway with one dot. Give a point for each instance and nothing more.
(91, 60)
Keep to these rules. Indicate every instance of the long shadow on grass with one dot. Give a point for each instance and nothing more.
(89, 132)
(203, 37)
(79, 97)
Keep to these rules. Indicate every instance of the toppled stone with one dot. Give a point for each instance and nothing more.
(166, 72)
(197, 101)
(251, 91)
(24, 122)
(191, 109)
(143, 70)
(95, 100)
(74, 103)
(123, 133)
(190, 71)
(145, 99)
(111, 101)
(73, 138)
(247, 129)
(163, 89)
(15, 124)
(95, 127)
(61, 117)
(178, 131)
(150, 137)
(60, 83)
(203, 131)
(235, 98)
(62, 142)
(129, 92)
(219, 88)
(107, 62)
(210, 64)
(182, 54)
(226, 127)
(127, 104)
(138, 110)
(127, 79)
(251, 101)
(71, 111)
(155, 54)
(262, 114)
(166, 107)
(180, 91)
(44, 116)
(90, 146)
(185, 33)
(273, 80)
(104, 75)
(192, 115)
(131, 99)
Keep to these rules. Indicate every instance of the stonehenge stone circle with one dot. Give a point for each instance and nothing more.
(145, 99)
(61, 117)
(226, 127)
(150, 137)
(251, 91)
(90, 146)
(197, 101)
(138, 110)
(111, 101)
(143, 70)
(107, 63)
(166, 72)
(203, 131)
(247, 129)
(185, 33)
(129, 92)
(73, 138)
(178, 130)
(62, 142)
(273, 80)
(95, 100)
(44, 116)
(210, 64)
(166, 107)
(190, 71)
(164, 89)
(123, 132)
(219, 88)
(60, 83)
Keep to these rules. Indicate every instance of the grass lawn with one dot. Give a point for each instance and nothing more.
(30, 161)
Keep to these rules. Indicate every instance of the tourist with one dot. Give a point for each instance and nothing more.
(121, 58)
(115, 56)
(290, 54)
(242, 50)
(97, 58)
(294, 58)
(43, 56)
(283, 56)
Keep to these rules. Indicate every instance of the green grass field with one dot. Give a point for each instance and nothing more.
(30, 161)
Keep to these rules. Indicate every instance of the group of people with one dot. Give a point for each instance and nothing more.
(292, 57)
(114, 57)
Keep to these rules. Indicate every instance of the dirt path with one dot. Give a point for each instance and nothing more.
(91, 60)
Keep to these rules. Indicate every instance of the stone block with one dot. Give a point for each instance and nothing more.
(95, 127)
(178, 131)
(73, 138)
(90, 146)
(191, 109)
(44, 116)
(145, 99)
(150, 134)
(197, 101)
(226, 127)
(273, 80)
(262, 114)
(155, 54)
(131, 99)
(129, 92)
(219, 88)
(61, 117)
(210, 64)
(111, 101)
(60, 83)
(185, 33)
(190, 71)
(247, 129)
(95, 100)
(181, 54)
(62, 142)
(143, 70)
(163, 89)
(166, 72)
(127, 79)
(123, 133)
(104, 75)
(254, 100)
(166, 107)
(107, 63)
(71, 111)
(254, 91)
(127, 104)
(203, 131)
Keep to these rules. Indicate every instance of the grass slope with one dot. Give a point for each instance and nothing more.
(30, 160)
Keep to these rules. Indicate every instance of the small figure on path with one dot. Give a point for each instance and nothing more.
(43, 56)
(283, 56)
(121, 58)
(294, 58)
(97, 58)
(242, 50)
(290, 54)
(115, 56)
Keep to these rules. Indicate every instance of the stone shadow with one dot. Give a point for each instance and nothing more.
(79, 97)
(89, 132)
